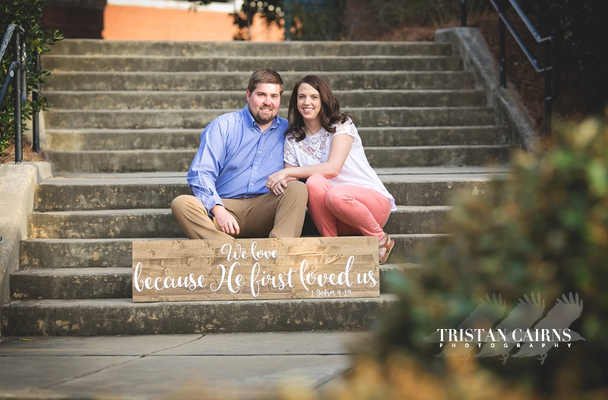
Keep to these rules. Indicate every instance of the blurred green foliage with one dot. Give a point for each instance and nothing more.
(328, 20)
(302, 19)
(26, 14)
(545, 231)
(314, 19)
(269, 10)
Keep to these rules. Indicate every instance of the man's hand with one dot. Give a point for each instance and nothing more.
(226, 222)
(275, 178)
(279, 188)
(278, 181)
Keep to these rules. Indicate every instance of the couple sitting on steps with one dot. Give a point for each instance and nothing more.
(247, 174)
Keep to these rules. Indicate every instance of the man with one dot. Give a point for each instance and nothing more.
(228, 175)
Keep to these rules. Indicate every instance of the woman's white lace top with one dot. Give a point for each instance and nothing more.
(314, 150)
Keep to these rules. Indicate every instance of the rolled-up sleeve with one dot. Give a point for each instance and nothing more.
(207, 164)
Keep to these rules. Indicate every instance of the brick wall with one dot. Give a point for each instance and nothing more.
(142, 23)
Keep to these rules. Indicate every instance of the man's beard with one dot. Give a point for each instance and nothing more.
(262, 121)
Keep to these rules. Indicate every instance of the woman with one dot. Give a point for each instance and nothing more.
(345, 195)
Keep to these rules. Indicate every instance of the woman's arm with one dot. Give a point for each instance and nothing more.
(280, 186)
(340, 147)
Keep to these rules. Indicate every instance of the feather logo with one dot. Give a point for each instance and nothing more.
(523, 332)
(561, 316)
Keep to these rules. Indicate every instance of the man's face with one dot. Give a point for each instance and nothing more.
(264, 102)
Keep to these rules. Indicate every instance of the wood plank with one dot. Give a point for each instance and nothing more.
(255, 269)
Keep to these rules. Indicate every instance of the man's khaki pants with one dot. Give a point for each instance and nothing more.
(266, 215)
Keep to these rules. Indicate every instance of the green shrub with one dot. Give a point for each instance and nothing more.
(302, 20)
(269, 10)
(327, 20)
(543, 231)
(26, 14)
(315, 20)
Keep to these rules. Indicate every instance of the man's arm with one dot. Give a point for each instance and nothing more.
(206, 166)
(204, 172)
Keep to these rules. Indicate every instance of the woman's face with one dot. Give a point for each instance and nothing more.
(309, 102)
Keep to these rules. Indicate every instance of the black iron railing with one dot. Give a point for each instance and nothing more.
(463, 13)
(549, 71)
(35, 117)
(17, 74)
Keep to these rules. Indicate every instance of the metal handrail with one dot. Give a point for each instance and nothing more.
(550, 69)
(463, 13)
(17, 73)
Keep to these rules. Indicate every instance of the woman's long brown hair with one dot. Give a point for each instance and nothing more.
(330, 109)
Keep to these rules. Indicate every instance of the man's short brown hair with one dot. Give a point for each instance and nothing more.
(264, 75)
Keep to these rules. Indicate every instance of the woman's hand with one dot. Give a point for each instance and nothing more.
(279, 188)
(275, 178)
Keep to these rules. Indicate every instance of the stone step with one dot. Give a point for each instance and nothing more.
(154, 223)
(178, 139)
(123, 139)
(143, 108)
(249, 64)
(120, 161)
(71, 283)
(418, 220)
(75, 253)
(157, 191)
(432, 136)
(291, 49)
(204, 81)
(198, 119)
(177, 100)
(431, 156)
(95, 317)
(96, 283)
(116, 253)
(109, 193)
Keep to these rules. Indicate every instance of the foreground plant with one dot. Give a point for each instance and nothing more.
(26, 14)
(537, 240)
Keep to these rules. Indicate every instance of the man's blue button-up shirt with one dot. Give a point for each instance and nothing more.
(235, 158)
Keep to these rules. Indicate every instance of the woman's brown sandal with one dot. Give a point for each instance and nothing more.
(387, 246)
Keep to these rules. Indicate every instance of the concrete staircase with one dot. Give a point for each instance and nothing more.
(125, 125)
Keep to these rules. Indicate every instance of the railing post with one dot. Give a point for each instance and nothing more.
(17, 99)
(548, 87)
(550, 70)
(35, 118)
(463, 13)
(502, 46)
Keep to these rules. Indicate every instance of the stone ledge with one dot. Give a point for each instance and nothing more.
(95, 317)
(17, 185)
(471, 46)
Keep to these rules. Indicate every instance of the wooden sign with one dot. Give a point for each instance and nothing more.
(250, 269)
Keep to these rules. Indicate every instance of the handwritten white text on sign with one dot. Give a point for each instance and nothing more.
(255, 269)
